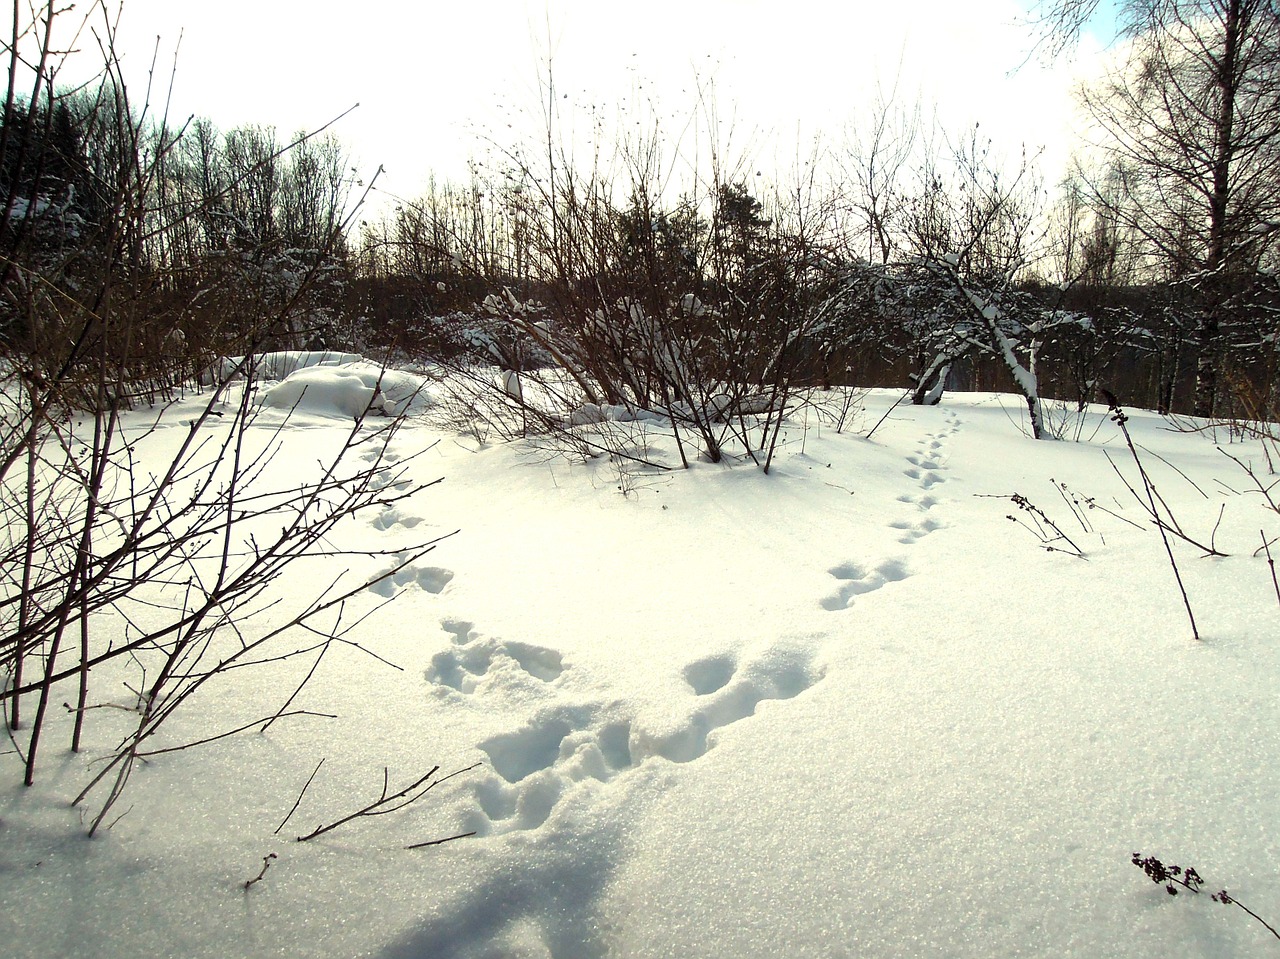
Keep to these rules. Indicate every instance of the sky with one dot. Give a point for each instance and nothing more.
(435, 81)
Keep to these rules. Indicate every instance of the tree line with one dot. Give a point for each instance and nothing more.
(193, 233)
(912, 256)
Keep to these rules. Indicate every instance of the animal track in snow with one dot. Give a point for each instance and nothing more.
(927, 466)
(517, 756)
(535, 765)
(381, 454)
(927, 478)
(390, 517)
(463, 666)
(706, 676)
(856, 581)
(381, 482)
(924, 462)
(431, 579)
(783, 674)
(924, 503)
(461, 631)
(913, 532)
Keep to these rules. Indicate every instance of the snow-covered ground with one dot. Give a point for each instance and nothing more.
(844, 709)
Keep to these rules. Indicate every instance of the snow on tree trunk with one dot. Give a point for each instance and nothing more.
(932, 383)
(934, 396)
(1023, 378)
(509, 382)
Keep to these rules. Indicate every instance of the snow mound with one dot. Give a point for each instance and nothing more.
(591, 413)
(278, 365)
(349, 390)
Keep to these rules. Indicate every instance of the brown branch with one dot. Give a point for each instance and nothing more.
(232, 732)
(1118, 415)
(441, 842)
(1271, 563)
(305, 679)
(298, 801)
(388, 803)
(266, 864)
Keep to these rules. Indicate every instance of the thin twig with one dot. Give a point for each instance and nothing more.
(1152, 505)
(266, 864)
(389, 803)
(1071, 504)
(297, 802)
(440, 842)
(305, 679)
(1172, 876)
(1121, 419)
(1040, 525)
(232, 732)
(1225, 898)
(1213, 535)
(873, 429)
(1192, 482)
(1258, 485)
(112, 825)
(1272, 563)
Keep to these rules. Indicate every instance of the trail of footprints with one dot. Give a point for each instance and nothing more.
(397, 516)
(431, 579)
(531, 768)
(567, 743)
(392, 517)
(927, 468)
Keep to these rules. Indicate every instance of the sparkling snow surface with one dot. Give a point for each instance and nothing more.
(844, 709)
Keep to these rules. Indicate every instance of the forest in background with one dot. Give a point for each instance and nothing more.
(662, 271)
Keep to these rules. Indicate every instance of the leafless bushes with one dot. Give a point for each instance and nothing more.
(611, 302)
(721, 311)
(1046, 531)
(167, 579)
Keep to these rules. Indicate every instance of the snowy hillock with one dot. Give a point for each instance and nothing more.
(349, 389)
(277, 365)
(328, 383)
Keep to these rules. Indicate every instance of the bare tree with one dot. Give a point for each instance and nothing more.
(1191, 125)
(876, 162)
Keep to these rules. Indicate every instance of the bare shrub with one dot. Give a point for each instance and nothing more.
(165, 573)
